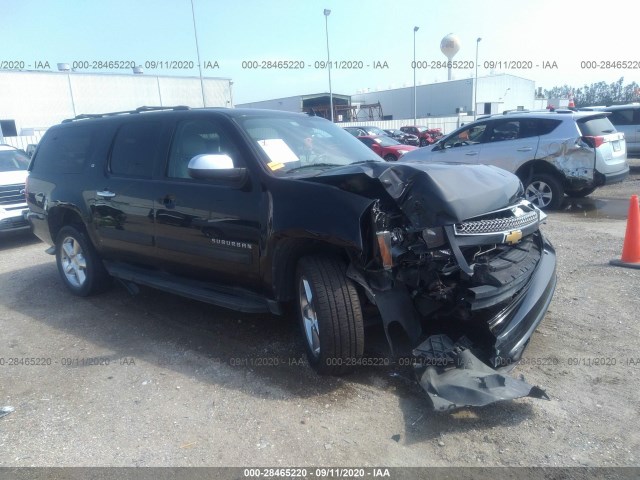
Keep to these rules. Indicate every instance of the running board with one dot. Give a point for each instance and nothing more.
(223, 296)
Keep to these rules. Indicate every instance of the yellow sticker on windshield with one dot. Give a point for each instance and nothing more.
(275, 165)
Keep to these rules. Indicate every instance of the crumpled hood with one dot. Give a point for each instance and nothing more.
(429, 194)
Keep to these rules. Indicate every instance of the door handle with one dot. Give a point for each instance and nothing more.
(105, 194)
(525, 149)
(471, 153)
(169, 201)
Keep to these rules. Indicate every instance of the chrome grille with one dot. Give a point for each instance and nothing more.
(10, 194)
(502, 221)
(11, 223)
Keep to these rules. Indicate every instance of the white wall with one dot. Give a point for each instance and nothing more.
(507, 90)
(446, 124)
(42, 99)
(441, 99)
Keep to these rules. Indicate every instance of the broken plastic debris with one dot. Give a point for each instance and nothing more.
(470, 382)
(6, 411)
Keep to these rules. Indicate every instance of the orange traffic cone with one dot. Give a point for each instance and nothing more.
(631, 247)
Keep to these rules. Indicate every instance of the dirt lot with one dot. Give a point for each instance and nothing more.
(157, 380)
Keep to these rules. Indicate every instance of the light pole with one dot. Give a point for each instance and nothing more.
(327, 12)
(415, 107)
(475, 87)
(195, 34)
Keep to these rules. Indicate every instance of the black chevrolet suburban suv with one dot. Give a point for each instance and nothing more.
(255, 209)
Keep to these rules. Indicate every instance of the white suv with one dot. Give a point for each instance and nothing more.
(13, 205)
(626, 119)
(552, 153)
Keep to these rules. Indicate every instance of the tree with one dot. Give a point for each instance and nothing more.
(598, 93)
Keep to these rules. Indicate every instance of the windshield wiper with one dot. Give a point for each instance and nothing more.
(314, 165)
(359, 162)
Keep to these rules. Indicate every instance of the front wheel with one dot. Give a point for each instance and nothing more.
(330, 316)
(423, 142)
(78, 263)
(544, 191)
(390, 158)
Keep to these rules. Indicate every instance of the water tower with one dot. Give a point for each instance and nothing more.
(450, 45)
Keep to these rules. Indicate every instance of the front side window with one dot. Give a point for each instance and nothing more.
(193, 138)
(468, 136)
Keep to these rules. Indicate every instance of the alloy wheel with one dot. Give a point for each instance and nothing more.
(309, 317)
(74, 264)
(539, 193)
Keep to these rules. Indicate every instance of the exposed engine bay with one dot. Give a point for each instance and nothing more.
(466, 276)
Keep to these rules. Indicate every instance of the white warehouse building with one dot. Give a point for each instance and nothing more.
(30, 101)
(496, 93)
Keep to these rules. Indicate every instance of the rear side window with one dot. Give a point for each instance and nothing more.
(595, 126)
(622, 117)
(135, 149)
(67, 150)
(545, 126)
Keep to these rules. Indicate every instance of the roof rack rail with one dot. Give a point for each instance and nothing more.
(509, 112)
(85, 116)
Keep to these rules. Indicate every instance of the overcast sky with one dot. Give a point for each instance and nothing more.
(518, 37)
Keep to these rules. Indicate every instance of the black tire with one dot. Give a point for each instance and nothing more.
(583, 192)
(423, 142)
(544, 191)
(78, 263)
(390, 158)
(336, 341)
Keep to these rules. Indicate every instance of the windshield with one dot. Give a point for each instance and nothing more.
(298, 144)
(375, 131)
(386, 141)
(12, 160)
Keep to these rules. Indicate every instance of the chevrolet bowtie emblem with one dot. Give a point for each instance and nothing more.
(513, 237)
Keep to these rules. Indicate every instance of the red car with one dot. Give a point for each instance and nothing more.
(388, 148)
(426, 135)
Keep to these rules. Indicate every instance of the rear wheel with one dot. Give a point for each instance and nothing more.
(330, 315)
(390, 158)
(583, 192)
(544, 191)
(78, 263)
(423, 142)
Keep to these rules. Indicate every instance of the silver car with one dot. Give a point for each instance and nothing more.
(552, 153)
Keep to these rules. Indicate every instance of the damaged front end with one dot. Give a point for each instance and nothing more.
(463, 293)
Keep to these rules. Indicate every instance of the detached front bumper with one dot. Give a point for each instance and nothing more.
(515, 324)
(451, 373)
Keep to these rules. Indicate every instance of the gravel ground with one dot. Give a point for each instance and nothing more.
(157, 380)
